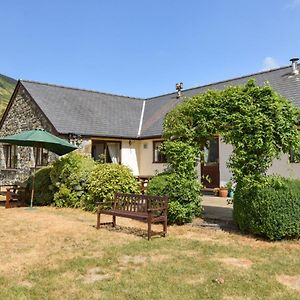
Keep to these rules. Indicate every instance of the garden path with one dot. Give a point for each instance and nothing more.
(217, 208)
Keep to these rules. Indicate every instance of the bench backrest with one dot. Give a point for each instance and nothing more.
(139, 203)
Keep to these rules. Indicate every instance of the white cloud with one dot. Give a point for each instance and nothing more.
(293, 4)
(269, 63)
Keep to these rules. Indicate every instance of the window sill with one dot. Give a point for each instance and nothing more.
(10, 169)
(159, 162)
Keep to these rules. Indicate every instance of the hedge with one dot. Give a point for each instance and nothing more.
(271, 209)
(107, 179)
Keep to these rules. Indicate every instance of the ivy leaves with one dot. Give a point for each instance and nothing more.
(257, 121)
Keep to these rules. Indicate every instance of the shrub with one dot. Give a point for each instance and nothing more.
(69, 177)
(183, 193)
(270, 209)
(43, 192)
(106, 180)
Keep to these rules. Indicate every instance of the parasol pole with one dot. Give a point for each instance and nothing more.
(33, 177)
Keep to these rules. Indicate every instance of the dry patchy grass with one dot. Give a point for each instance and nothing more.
(47, 236)
(50, 253)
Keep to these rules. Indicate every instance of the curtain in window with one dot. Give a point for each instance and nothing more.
(113, 150)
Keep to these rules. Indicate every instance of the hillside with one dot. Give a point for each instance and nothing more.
(7, 86)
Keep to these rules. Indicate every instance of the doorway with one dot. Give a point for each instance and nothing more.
(210, 171)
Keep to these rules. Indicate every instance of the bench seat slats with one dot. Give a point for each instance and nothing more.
(152, 209)
(132, 215)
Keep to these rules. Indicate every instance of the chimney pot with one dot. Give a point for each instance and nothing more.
(179, 87)
(294, 61)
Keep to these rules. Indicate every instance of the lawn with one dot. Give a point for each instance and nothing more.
(53, 253)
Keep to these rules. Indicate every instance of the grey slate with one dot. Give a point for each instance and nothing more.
(156, 108)
(87, 112)
(99, 114)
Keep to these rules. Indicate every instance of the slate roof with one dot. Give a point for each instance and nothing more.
(156, 108)
(99, 114)
(87, 112)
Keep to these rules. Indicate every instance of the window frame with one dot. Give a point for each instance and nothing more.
(10, 156)
(105, 142)
(41, 161)
(213, 144)
(163, 158)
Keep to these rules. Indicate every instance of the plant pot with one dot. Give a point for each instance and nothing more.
(223, 192)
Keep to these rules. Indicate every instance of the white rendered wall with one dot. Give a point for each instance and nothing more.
(85, 147)
(147, 167)
(139, 158)
(224, 154)
(284, 168)
(129, 152)
(280, 166)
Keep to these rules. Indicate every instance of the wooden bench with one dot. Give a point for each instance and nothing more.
(150, 209)
(13, 195)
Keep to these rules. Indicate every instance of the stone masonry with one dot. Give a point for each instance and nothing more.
(23, 115)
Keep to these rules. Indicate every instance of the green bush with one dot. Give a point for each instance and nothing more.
(183, 193)
(106, 180)
(270, 209)
(43, 192)
(69, 177)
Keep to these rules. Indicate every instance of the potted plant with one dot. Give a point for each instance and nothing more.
(231, 188)
(223, 191)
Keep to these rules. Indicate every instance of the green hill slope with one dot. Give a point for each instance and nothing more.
(7, 86)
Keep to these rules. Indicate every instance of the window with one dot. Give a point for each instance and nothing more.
(42, 156)
(10, 154)
(158, 156)
(106, 151)
(211, 152)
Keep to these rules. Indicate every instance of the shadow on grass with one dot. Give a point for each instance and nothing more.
(131, 230)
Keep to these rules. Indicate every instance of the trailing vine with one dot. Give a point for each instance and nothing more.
(258, 122)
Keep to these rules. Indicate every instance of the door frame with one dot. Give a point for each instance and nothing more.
(211, 169)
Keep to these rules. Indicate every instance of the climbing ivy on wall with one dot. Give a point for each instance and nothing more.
(256, 120)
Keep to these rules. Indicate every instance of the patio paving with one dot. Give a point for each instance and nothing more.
(217, 208)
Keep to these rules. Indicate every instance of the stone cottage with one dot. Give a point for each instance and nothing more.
(121, 129)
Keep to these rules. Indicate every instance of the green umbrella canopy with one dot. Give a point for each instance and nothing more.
(39, 138)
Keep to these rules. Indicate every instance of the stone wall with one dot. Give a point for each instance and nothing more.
(23, 115)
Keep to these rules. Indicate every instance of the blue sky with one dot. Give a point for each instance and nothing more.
(142, 48)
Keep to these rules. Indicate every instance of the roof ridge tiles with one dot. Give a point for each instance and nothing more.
(221, 81)
(80, 89)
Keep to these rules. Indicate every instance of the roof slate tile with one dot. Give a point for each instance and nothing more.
(99, 114)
